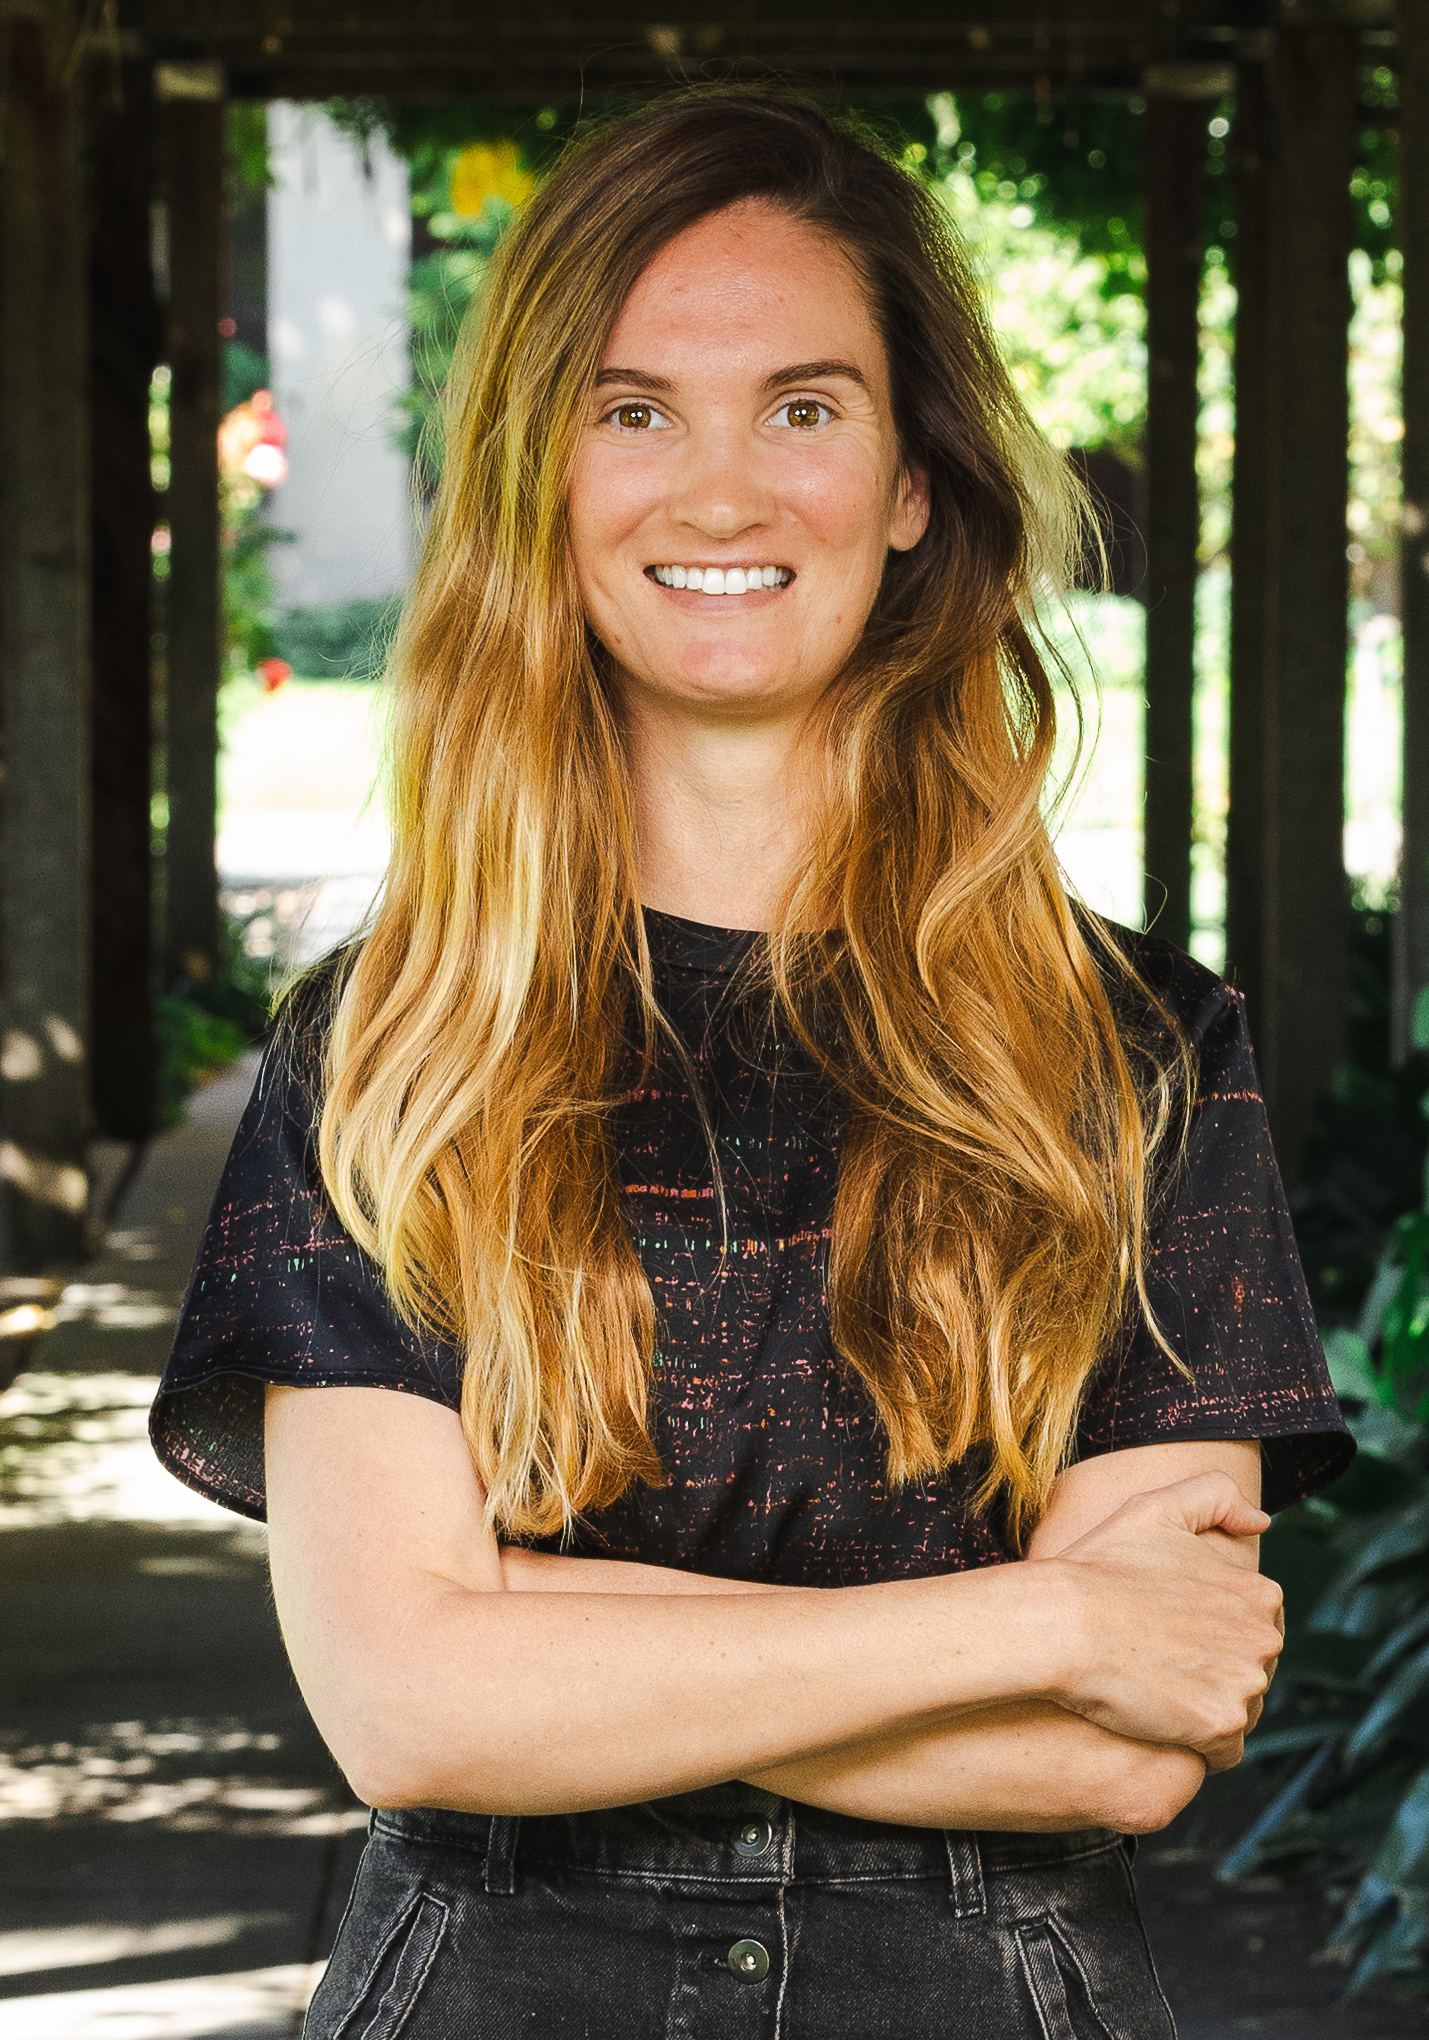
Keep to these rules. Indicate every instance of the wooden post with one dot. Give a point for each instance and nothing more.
(44, 601)
(1246, 841)
(1412, 921)
(1174, 178)
(193, 151)
(124, 346)
(1302, 1029)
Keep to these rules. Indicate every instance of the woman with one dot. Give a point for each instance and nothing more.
(843, 1296)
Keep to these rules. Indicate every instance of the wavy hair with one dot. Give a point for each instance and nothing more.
(998, 1121)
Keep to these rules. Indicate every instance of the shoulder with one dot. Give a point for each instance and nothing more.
(1157, 988)
(296, 1050)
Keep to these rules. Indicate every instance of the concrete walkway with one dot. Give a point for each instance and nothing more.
(175, 1843)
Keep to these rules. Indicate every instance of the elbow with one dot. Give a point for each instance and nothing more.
(386, 1778)
(393, 1771)
(387, 1767)
(1153, 1785)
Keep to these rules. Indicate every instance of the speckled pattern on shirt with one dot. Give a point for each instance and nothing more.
(773, 1457)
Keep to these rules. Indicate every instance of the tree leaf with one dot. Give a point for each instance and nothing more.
(1352, 1372)
(1243, 1857)
(1403, 1690)
(1404, 1858)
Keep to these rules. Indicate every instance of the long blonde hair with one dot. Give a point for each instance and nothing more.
(998, 1124)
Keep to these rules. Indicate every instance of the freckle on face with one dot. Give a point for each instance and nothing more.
(725, 478)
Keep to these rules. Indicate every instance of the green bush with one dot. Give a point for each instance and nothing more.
(337, 641)
(1345, 1733)
(205, 1026)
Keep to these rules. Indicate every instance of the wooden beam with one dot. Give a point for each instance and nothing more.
(1302, 1029)
(44, 638)
(124, 345)
(1174, 160)
(1412, 921)
(977, 23)
(441, 49)
(193, 155)
(1246, 839)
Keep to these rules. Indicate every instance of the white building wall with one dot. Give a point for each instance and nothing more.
(339, 244)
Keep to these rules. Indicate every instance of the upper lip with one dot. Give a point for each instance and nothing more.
(676, 561)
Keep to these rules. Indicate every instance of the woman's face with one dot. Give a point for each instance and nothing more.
(741, 429)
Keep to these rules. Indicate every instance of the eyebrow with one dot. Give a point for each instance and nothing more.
(782, 378)
(634, 378)
(815, 371)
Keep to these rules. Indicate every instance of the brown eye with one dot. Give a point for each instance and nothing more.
(633, 417)
(805, 414)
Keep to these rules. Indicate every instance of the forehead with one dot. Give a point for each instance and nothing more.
(748, 286)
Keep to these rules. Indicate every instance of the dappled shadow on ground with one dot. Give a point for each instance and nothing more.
(168, 1814)
(175, 1842)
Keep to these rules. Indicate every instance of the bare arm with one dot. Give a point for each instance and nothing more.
(1031, 1766)
(434, 1685)
(1035, 1766)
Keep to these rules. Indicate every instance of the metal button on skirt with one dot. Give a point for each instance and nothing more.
(732, 1915)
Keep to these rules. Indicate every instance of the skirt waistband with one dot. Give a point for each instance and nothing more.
(737, 1835)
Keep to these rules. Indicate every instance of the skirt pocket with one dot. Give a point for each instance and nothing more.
(394, 1982)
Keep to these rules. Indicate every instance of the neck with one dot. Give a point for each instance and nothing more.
(722, 810)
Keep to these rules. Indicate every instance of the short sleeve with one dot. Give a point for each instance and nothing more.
(280, 1293)
(1223, 1279)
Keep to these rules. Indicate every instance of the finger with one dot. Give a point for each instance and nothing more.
(1212, 1501)
(1223, 1755)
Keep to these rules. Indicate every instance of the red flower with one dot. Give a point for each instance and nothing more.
(273, 672)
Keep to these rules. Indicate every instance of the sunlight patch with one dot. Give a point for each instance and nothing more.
(251, 2004)
(74, 1448)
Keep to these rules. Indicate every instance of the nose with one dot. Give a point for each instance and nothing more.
(721, 494)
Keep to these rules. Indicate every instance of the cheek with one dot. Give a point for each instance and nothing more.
(585, 508)
(608, 500)
(843, 499)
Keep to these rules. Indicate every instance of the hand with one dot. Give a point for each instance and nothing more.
(1171, 1638)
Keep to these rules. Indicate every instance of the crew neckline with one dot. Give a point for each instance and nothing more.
(697, 945)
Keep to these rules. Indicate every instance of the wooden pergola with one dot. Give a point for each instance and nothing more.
(111, 253)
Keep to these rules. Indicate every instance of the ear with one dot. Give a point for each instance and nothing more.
(910, 511)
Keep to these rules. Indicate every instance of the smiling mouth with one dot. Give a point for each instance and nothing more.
(722, 580)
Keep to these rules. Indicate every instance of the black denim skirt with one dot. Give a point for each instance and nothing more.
(732, 1915)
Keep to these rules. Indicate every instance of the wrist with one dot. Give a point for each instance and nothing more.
(1046, 1632)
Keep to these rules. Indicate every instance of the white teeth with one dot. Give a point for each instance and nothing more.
(722, 580)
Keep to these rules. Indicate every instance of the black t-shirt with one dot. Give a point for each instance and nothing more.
(774, 1459)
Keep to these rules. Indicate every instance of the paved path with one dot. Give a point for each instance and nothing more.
(175, 1844)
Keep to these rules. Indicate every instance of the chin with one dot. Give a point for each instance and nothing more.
(738, 688)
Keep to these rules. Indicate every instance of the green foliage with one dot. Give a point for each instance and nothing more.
(427, 137)
(440, 290)
(203, 1027)
(248, 590)
(194, 1045)
(337, 641)
(1345, 1734)
(248, 171)
(1076, 163)
(1375, 184)
(1365, 1161)
(244, 371)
